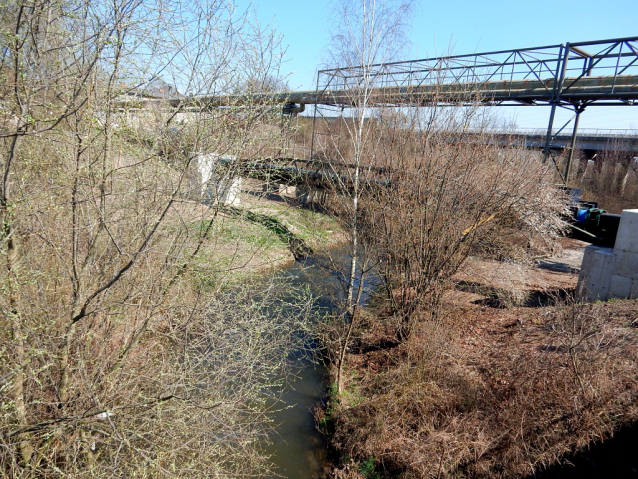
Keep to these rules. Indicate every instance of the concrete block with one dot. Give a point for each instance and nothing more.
(225, 190)
(607, 273)
(231, 196)
(626, 263)
(597, 276)
(604, 258)
(585, 267)
(285, 190)
(620, 287)
(588, 257)
(627, 238)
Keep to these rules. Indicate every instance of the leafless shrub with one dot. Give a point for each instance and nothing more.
(418, 189)
(503, 405)
(448, 195)
(119, 355)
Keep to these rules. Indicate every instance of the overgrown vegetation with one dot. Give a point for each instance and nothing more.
(129, 344)
(480, 394)
(418, 195)
(122, 351)
(611, 178)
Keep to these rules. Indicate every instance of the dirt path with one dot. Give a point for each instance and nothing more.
(511, 284)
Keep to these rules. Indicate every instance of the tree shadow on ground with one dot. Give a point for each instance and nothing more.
(503, 298)
(615, 457)
(297, 246)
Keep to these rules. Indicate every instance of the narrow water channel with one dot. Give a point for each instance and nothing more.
(297, 449)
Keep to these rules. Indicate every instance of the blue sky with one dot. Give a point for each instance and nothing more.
(465, 26)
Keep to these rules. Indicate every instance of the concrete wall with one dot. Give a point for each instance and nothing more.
(215, 186)
(613, 273)
(302, 194)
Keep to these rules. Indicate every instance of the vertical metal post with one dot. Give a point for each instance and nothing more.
(561, 67)
(548, 138)
(568, 167)
(314, 119)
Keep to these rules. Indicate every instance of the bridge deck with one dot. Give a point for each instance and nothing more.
(588, 73)
(623, 88)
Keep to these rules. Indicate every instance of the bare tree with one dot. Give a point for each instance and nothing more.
(418, 188)
(367, 32)
(117, 355)
(450, 192)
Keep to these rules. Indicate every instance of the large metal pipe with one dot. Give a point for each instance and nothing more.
(577, 89)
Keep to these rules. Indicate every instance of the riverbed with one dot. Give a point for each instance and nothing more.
(297, 449)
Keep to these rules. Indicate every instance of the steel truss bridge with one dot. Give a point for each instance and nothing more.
(573, 76)
(603, 72)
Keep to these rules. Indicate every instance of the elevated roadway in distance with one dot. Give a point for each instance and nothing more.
(589, 141)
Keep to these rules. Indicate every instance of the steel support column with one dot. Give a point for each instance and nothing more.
(568, 167)
(560, 74)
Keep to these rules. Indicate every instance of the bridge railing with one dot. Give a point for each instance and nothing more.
(538, 62)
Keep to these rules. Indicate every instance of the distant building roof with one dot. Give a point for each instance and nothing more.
(156, 88)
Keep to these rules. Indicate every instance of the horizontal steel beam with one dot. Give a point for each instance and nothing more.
(580, 89)
(628, 144)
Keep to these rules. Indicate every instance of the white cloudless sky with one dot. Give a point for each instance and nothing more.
(461, 27)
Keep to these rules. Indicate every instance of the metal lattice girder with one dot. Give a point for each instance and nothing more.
(620, 89)
(593, 72)
(603, 72)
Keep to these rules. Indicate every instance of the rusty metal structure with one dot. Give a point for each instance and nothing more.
(600, 72)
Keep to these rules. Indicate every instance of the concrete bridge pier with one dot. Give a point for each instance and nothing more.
(214, 184)
(613, 272)
(588, 170)
(225, 191)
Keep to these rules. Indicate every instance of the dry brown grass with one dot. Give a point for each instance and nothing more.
(491, 393)
(612, 181)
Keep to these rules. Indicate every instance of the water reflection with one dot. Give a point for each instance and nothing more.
(297, 449)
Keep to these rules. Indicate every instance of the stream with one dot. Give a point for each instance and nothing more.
(297, 449)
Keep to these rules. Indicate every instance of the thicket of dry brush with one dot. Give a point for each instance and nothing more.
(420, 190)
(478, 397)
(431, 193)
(120, 355)
(611, 179)
(450, 195)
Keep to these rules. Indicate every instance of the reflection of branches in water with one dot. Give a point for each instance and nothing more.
(334, 265)
(254, 324)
